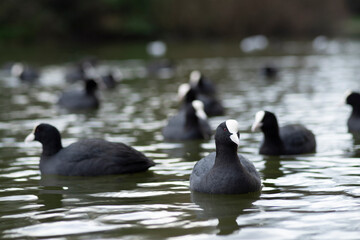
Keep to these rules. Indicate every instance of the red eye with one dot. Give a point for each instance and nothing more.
(225, 129)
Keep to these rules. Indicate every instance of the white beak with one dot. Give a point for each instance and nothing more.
(343, 101)
(30, 137)
(258, 120)
(256, 126)
(183, 90)
(234, 137)
(199, 109)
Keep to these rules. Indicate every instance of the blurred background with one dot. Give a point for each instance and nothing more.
(65, 23)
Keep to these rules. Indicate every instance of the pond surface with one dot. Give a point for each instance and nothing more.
(315, 196)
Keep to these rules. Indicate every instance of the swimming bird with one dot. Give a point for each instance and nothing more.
(189, 123)
(225, 171)
(87, 157)
(81, 100)
(88, 69)
(353, 122)
(212, 106)
(269, 71)
(202, 84)
(287, 140)
(24, 72)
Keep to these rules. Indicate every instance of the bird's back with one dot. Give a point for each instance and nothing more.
(297, 139)
(92, 157)
(176, 130)
(77, 100)
(353, 124)
(220, 179)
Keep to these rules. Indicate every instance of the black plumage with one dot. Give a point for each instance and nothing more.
(188, 124)
(212, 106)
(87, 157)
(353, 122)
(24, 72)
(287, 140)
(207, 93)
(225, 171)
(80, 99)
(202, 84)
(269, 71)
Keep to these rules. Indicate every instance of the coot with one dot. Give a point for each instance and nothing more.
(287, 140)
(269, 71)
(88, 157)
(81, 100)
(225, 171)
(190, 123)
(353, 123)
(202, 84)
(212, 106)
(24, 72)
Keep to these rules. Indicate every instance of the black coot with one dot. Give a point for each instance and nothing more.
(225, 171)
(110, 79)
(202, 84)
(287, 140)
(88, 157)
(190, 123)
(206, 92)
(353, 123)
(269, 71)
(81, 100)
(24, 72)
(212, 106)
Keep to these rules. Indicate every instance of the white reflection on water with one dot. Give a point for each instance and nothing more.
(61, 228)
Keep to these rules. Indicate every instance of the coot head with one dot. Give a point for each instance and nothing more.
(17, 69)
(196, 120)
(195, 78)
(194, 112)
(48, 136)
(227, 133)
(353, 99)
(202, 84)
(269, 71)
(90, 86)
(265, 120)
(44, 133)
(198, 108)
(109, 80)
(186, 93)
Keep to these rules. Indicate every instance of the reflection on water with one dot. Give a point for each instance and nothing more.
(272, 168)
(225, 208)
(313, 196)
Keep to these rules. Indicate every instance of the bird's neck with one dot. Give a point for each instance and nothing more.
(52, 147)
(191, 120)
(89, 92)
(355, 111)
(272, 135)
(226, 154)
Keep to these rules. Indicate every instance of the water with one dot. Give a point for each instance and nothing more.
(312, 196)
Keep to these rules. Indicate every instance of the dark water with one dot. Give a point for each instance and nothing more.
(313, 196)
